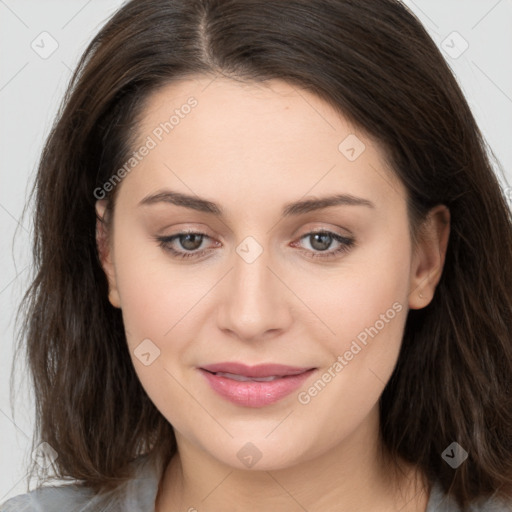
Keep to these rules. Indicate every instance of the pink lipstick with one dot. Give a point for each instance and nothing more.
(254, 386)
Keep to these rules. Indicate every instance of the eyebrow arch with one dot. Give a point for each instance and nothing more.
(290, 209)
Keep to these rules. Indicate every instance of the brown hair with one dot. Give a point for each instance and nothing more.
(376, 64)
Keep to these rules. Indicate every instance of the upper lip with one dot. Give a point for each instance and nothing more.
(260, 370)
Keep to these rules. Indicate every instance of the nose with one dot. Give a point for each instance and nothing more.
(255, 301)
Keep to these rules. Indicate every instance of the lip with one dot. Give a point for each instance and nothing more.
(255, 393)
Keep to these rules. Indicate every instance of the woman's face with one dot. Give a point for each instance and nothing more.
(257, 287)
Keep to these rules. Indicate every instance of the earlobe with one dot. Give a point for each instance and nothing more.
(429, 257)
(105, 252)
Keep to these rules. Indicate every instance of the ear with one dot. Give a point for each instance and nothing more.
(429, 256)
(105, 252)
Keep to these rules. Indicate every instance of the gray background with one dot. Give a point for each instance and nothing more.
(31, 87)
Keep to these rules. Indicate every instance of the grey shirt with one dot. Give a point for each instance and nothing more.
(139, 495)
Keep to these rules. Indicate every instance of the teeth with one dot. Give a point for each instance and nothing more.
(244, 378)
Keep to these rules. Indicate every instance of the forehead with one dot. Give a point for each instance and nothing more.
(271, 140)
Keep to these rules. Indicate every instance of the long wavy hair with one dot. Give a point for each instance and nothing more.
(375, 63)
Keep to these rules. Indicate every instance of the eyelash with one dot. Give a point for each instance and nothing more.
(346, 244)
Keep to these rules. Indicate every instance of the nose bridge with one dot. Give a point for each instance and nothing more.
(252, 277)
(254, 302)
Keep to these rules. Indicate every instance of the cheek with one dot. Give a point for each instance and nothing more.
(156, 295)
(366, 307)
(157, 300)
(368, 293)
(163, 306)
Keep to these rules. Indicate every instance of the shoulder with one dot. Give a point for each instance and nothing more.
(70, 497)
(441, 502)
(136, 494)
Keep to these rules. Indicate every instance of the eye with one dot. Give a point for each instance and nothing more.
(320, 241)
(191, 242)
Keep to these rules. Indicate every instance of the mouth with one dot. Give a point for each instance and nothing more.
(254, 386)
(243, 378)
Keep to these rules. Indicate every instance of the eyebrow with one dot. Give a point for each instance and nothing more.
(289, 209)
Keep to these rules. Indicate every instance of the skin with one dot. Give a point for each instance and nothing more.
(252, 148)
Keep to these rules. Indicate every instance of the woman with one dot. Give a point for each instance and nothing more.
(274, 269)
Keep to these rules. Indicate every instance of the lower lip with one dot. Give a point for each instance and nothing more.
(253, 393)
